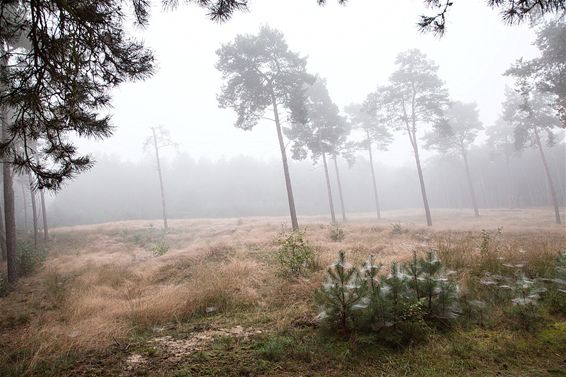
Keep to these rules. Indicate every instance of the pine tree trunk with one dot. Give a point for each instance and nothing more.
(340, 194)
(25, 207)
(375, 195)
(9, 211)
(548, 178)
(328, 189)
(2, 235)
(470, 184)
(509, 185)
(290, 198)
(422, 183)
(33, 211)
(163, 208)
(44, 215)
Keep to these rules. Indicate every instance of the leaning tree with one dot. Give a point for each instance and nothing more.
(454, 133)
(322, 133)
(414, 99)
(259, 71)
(533, 116)
(375, 133)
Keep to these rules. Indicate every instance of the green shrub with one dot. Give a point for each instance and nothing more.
(341, 294)
(336, 233)
(295, 254)
(159, 248)
(28, 258)
(55, 285)
(397, 228)
(526, 309)
(397, 307)
(555, 297)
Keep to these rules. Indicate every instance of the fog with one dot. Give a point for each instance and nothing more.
(217, 170)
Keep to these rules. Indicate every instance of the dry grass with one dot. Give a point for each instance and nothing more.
(101, 284)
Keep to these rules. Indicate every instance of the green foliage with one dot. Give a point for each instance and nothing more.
(337, 233)
(399, 307)
(397, 228)
(525, 303)
(55, 285)
(295, 254)
(28, 258)
(340, 294)
(555, 297)
(159, 248)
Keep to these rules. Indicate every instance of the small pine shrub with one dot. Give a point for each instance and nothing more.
(526, 308)
(295, 254)
(160, 248)
(336, 233)
(28, 258)
(397, 228)
(55, 285)
(398, 307)
(340, 294)
(555, 297)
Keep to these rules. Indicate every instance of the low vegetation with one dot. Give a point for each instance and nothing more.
(222, 301)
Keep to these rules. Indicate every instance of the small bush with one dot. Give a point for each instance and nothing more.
(55, 288)
(159, 248)
(340, 294)
(295, 254)
(525, 304)
(28, 258)
(336, 233)
(397, 228)
(397, 307)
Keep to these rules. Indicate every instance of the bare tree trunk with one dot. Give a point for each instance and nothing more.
(375, 195)
(9, 211)
(290, 198)
(548, 178)
(509, 186)
(33, 211)
(421, 180)
(160, 179)
(328, 189)
(44, 215)
(470, 184)
(2, 235)
(339, 189)
(25, 207)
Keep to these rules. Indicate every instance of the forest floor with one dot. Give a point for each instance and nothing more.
(208, 300)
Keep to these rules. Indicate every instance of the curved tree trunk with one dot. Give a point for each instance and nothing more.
(25, 207)
(422, 183)
(339, 189)
(375, 195)
(548, 178)
(328, 189)
(470, 184)
(290, 198)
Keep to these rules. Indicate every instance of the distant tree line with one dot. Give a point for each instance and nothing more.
(244, 186)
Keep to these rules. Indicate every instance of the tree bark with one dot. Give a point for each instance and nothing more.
(33, 211)
(470, 184)
(421, 180)
(25, 207)
(548, 178)
(9, 211)
(340, 189)
(2, 235)
(375, 195)
(290, 198)
(328, 189)
(44, 215)
(163, 208)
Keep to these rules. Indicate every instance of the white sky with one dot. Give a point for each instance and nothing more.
(353, 47)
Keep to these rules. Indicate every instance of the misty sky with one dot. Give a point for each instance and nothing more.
(353, 47)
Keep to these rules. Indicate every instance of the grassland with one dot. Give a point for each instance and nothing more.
(207, 300)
